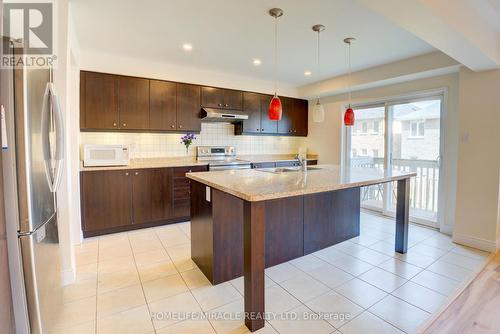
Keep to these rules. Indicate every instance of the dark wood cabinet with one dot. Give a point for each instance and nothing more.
(122, 200)
(251, 107)
(133, 103)
(98, 101)
(188, 108)
(267, 126)
(162, 105)
(142, 188)
(111, 102)
(285, 124)
(212, 97)
(106, 200)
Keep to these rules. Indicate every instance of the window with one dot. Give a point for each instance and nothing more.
(417, 129)
(375, 153)
(364, 127)
(376, 127)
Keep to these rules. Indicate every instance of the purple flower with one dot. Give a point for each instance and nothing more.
(187, 139)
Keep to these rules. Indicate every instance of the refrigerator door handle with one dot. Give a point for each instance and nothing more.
(53, 173)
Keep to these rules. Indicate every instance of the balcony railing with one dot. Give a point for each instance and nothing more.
(423, 187)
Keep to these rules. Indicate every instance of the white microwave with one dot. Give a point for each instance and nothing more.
(105, 155)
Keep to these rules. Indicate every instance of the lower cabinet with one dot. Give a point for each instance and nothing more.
(120, 200)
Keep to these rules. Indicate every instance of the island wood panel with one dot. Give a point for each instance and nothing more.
(330, 218)
(202, 238)
(284, 229)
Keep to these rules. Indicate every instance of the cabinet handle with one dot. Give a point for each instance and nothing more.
(180, 126)
(124, 124)
(261, 129)
(294, 130)
(257, 129)
(172, 126)
(290, 131)
(220, 104)
(126, 174)
(114, 124)
(226, 105)
(136, 173)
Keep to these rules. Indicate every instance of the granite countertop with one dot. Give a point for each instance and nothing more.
(190, 161)
(150, 163)
(259, 185)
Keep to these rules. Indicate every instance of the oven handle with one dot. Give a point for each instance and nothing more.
(230, 167)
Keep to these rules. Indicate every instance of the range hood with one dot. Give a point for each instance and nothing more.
(222, 115)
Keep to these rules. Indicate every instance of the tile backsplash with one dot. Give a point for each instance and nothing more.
(153, 145)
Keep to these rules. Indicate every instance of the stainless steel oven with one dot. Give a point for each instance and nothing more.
(221, 158)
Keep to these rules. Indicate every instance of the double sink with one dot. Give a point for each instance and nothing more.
(280, 170)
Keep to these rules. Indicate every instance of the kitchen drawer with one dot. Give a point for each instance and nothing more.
(181, 182)
(182, 208)
(182, 193)
(181, 171)
(263, 165)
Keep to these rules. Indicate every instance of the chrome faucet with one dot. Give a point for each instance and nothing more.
(302, 161)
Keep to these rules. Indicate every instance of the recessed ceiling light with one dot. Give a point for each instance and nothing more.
(307, 73)
(257, 62)
(187, 47)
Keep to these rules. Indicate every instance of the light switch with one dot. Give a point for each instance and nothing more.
(207, 194)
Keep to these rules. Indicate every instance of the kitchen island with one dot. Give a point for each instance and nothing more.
(243, 221)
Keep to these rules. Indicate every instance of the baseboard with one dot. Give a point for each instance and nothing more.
(482, 244)
(446, 229)
(68, 276)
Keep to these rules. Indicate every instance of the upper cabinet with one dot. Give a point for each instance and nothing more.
(188, 108)
(133, 103)
(212, 97)
(111, 102)
(162, 105)
(98, 102)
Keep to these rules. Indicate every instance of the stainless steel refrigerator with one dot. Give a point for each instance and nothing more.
(32, 153)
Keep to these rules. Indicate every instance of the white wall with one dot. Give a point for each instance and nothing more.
(92, 60)
(477, 210)
(325, 138)
(65, 191)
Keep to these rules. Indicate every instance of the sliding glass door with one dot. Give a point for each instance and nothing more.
(402, 135)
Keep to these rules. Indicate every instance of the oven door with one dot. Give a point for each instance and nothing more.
(229, 167)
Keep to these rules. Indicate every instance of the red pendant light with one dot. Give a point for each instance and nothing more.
(349, 113)
(349, 117)
(275, 108)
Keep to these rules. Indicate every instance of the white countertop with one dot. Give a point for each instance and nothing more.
(259, 185)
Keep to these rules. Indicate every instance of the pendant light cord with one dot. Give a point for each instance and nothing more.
(350, 77)
(319, 66)
(275, 55)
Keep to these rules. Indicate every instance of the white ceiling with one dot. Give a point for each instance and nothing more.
(228, 34)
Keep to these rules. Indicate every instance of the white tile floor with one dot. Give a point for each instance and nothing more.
(358, 286)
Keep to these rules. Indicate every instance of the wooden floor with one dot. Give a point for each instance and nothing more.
(476, 310)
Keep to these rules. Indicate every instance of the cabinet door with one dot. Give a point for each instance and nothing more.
(188, 108)
(98, 105)
(141, 196)
(285, 125)
(161, 193)
(267, 126)
(251, 107)
(300, 117)
(133, 103)
(106, 200)
(233, 99)
(162, 105)
(212, 97)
